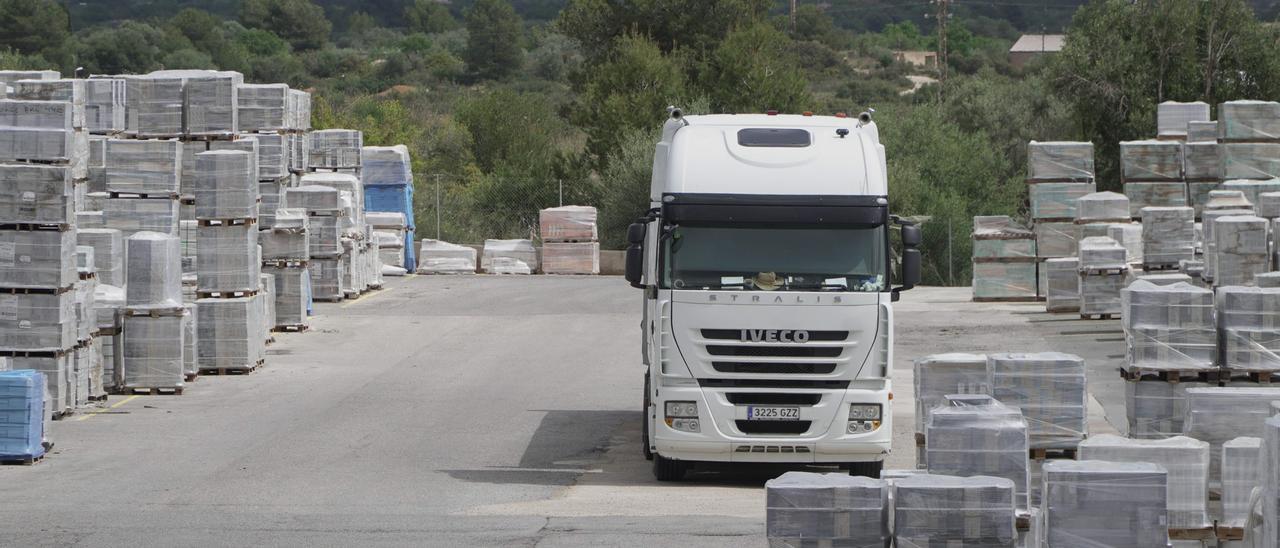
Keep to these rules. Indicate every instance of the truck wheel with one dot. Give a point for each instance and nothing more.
(868, 469)
(644, 429)
(665, 469)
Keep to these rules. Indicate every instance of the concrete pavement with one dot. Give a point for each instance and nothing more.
(449, 411)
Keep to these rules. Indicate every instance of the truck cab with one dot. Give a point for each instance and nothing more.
(765, 263)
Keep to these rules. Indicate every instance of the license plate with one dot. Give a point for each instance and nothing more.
(771, 413)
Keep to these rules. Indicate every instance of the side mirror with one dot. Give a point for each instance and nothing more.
(910, 236)
(910, 266)
(635, 255)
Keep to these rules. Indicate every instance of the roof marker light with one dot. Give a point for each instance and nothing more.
(771, 112)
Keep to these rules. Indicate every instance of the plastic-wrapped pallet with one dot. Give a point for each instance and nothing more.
(314, 199)
(1241, 473)
(1049, 388)
(290, 245)
(979, 440)
(1129, 236)
(1250, 160)
(57, 371)
(1004, 280)
(324, 236)
(290, 295)
(386, 165)
(1102, 206)
(1268, 279)
(568, 223)
(131, 216)
(227, 258)
(1169, 326)
(1101, 503)
(37, 258)
(1055, 239)
(390, 248)
(1219, 414)
(299, 152)
(229, 333)
(64, 90)
(509, 257)
(1156, 409)
(1169, 278)
(326, 278)
(154, 105)
(226, 187)
(1168, 235)
(1205, 131)
(1102, 253)
(1268, 205)
(335, 148)
(22, 403)
(9, 77)
(1270, 466)
(266, 299)
(1150, 160)
(342, 182)
(1210, 236)
(1063, 281)
(1154, 194)
(1240, 251)
(1201, 161)
(270, 198)
(263, 107)
(41, 131)
(153, 351)
(153, 269)
(104, 105)
(1060, 161)
(38, 322)
(300, 106)
(1172, 117)
(244, 143)
(1186, 460)
(1249, 318)
(932, 510)
(190, 341)
(1249, 119)
(36, 194)
(143, 167)
(96, 167)
(1252, 190)
(108, 253)
(1055, 200)
(209, 102)
(940, 375)
(441, 257)
(804, 509)
(999, 237)
(1221, 198)
(571, 258)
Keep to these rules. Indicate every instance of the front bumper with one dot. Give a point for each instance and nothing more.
(720, 441)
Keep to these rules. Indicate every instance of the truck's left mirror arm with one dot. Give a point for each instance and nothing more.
(910, 256)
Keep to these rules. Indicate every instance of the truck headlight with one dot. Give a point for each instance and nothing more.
(683, 416)
(863, 418)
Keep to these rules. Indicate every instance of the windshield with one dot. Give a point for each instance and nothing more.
(775, 258)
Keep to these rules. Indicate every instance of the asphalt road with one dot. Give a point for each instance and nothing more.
(447, 411)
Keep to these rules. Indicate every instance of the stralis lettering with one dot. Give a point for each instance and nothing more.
(774, 335)
(776, 299)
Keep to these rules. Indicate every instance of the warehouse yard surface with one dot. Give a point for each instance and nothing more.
(454, 411)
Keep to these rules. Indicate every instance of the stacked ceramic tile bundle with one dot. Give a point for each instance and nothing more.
(336, 149)
(1058, 174)
(570, 242)
(1219, 414)
(324, 211)
(22, 412)
(1129, 236)
(931, 510)
(440, 257)
(286, 256)
(1249, 133)
(1156, 408)
(229, 324)
(803, 508)
(1185, 460)
(38, 263)
(1173, 118)
(1004, 260)
(1096, 212)
(1168, 237)
(1251, 189)
(1267, 279)
(1169, 327)
(1101, 503)
(109, 304)
(1270, 467)
(1210, 225)
(1241, 473)
(1151, 172)
(154, 315)
(142, 179)
(390, 229)
(388, 187)
(1240, 249)
(104, 105)
(1062, 278)
(980, 440)
(509, 257)
(1249, 319)
(85, 382)
(64, 90)
(350, 224)
(9, 77)
(1049, 389)
(941, 375)
(1104, 268)
(1201, 165)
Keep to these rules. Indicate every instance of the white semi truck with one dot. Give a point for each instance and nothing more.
(765, 261)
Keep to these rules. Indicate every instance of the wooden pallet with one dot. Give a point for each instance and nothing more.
(22, 462)
(1258, 377)
(9, 353)
(1111, 271)
(327, 299)
(1166, 267)
(225, 294)
(1022, 521)
(144, 195)
(1138, 374)
(1084, 316)
(36, 290)
(231, 370)
(98, 398)
(228, 222)
(1026, 299)
(276, 263)
(191, 377)
(32, 227)
(154, 391)
(211, 137)
(40, 162)
(1203, 533)
(1225, 533)
(1051, 454)
(297, 328)
(155, 312)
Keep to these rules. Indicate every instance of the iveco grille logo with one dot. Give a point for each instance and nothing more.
(774, 335)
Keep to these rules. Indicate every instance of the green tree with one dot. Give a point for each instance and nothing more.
(429, 17)
(631, 90)
(131, 48)
(300, 22)
(493, 40)
(33, 26)
(187, 59)
(697, 25)
(624, 195)
(754, 70)
(515, 130)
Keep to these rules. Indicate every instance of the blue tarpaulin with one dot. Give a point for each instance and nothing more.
(21, 414)
(395, 198)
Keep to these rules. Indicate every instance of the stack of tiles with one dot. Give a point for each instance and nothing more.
(1209, 227)
(390, 232)
(22, 412)
(941, 375)
(1059, 174)
(104, 105)
(142, 180)
(1240, 475)
(1151, 172)
(569, 240)
(286, 256)
(440, 257)
(509, 257)
(152, 347)
(1062, 276)
(1249, 134)
(980, 440)
(388, 187)
(1004, 260)
(1249, 319)
(1186, 460)
(1240, 250)
(1096, 212)
(1172, 118)
(1168, 237)
(1101, 503)
(1169, 327)
(1270, 467)
(1104, 268)
(1220, 414)
(930, 510)
(325, 260)
(803, 509)
(1049, 389)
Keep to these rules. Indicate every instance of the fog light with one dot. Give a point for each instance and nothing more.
(684, 425)
(682, 416)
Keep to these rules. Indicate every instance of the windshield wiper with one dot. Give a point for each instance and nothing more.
(817, 286)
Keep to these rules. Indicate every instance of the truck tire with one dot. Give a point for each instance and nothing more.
(868, 469)
(665, 469)
(644, 429)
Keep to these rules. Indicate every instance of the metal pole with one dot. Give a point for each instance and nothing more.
(951, 275)
(560, 182)
(438, 206)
